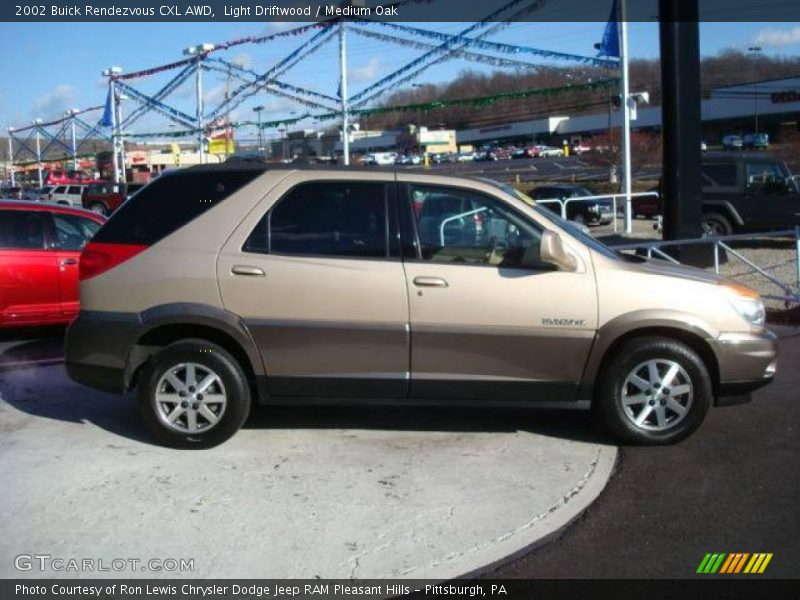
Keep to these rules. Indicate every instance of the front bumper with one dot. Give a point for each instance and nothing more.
(747, 362)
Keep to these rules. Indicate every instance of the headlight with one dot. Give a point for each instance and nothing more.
(747, 302)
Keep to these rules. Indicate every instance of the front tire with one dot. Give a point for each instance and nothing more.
(193, 394)
(99, 208)
(654, 391)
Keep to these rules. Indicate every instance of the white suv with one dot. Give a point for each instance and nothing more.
(68, 194)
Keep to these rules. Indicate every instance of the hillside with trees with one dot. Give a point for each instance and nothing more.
(729, 67)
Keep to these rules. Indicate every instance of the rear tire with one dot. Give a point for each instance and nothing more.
(193, 394)
(714, 224)
(654, 391)
(99, 208)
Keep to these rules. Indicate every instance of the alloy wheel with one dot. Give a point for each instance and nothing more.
(190, 398)
(657, 395)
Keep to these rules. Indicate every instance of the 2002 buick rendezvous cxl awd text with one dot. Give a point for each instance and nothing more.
(214, 287)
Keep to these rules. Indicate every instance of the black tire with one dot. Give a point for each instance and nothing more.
(99, 208)
(715, 224)
(209, 356)
(638, 351)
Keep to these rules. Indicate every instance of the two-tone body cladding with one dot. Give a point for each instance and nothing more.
(217, 286)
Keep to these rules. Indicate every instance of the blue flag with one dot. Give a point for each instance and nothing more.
(610, 45)
(107, 120)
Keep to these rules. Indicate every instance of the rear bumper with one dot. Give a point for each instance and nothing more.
(96, 349)
(747, 362)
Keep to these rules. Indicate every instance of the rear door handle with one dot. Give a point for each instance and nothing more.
(249, 271)
(430, 282)
(69, 261)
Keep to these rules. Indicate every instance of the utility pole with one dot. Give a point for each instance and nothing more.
(343, 92)
(200, 51)
(11, 154)
(261, 148)
(36, 123)
(112, 74)
(755, 51)
(626, 115)
(71, 114)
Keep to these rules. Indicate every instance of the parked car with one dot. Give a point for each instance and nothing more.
(648, 207)
(408, 159)
(105, 198)
(756, 141)
(13, 193)
(381, 158)
(578, 149)
(370, 298)
(40, 245)
(70, 195)
(594, 211)
(41, 194)
(747, 192)
(732, 142)
(550, 152)
(466, 156)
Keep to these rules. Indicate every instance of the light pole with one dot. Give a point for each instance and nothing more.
(200, 52)
(343, 92)
(71, 114)
(11, 154)
(261, 148)
(36, 123)
(112, 73)
(755, 51)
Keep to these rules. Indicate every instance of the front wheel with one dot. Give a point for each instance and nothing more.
(99, 208)
(654, 391)
(715, 225)
(193, 394)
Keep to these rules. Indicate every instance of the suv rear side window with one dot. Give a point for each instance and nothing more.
(346, 219)
(22, 230)
(719, 174)
(169, 203)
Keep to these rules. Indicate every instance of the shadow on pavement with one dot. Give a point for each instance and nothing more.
(48, 393)
(31, 346)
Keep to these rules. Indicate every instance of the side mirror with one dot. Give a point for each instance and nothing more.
(552, 252)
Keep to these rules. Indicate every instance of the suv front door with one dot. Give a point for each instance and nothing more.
(315, 278)
(773, 204)
(484, 327)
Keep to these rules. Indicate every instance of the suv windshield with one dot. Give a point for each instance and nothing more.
(570, 228)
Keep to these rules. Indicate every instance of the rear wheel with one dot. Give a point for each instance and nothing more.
(654, 391)
(714, 224)
(193, 394)
(99, 208)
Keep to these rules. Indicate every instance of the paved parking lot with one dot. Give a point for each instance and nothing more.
(300, 492)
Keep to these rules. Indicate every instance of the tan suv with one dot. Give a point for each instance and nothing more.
(215, 287)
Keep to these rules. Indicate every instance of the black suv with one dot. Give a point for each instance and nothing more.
(592, 211)
(748, 193)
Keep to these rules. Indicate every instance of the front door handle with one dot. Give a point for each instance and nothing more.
(249, 271)
(430, 282)
(69, 261)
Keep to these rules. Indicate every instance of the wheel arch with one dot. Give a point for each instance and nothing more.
(724, 208)
(688, 330)
(167, 324)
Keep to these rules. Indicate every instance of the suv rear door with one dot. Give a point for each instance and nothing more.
(314, 272)
(482, 326)
(70, 234)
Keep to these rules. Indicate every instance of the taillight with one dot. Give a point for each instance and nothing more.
(98, 258)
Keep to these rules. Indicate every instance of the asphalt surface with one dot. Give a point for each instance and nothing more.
(565, 168)
(734, 486)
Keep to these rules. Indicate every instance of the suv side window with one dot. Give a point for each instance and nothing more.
(719, 174)
(74, 190)
(22, 230)
(326, 218)
(463, 227)
(763, 177)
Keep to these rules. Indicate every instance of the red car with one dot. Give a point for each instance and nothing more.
(40, 245)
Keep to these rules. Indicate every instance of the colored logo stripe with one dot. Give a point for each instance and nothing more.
(733, 563)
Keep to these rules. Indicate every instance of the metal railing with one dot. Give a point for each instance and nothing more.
(613, 197)
(791, 294)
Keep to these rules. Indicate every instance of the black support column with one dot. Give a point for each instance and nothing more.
(680, 117)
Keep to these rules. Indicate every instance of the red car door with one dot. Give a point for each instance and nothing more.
(29, 286)
(70, 234)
